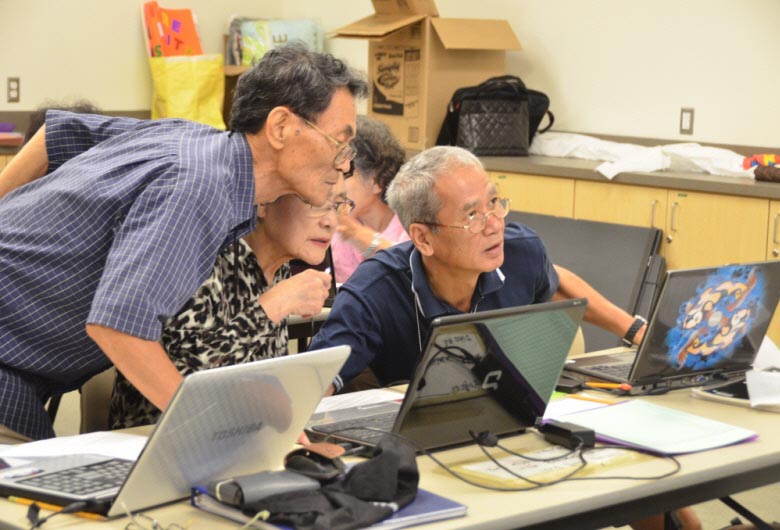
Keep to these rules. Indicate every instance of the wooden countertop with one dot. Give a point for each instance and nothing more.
(586, 170)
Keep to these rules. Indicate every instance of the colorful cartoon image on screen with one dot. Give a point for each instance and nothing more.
(711, 324)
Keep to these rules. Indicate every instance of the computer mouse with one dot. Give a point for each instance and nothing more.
(320, 461)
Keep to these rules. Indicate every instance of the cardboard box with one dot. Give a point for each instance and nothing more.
(417, 60)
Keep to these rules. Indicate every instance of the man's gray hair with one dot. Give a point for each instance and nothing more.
(411, 193)
(291, 76)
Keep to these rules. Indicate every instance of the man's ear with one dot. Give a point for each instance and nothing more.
(278, 126)
(420, 235)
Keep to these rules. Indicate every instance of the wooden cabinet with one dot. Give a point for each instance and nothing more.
(536, 194)
(616, 203)
(705, 229)
(700, 229)
(4, 159)
(773, 252)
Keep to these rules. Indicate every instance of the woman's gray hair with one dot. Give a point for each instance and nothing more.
(378, 154)
(411, 193)
(294, 77)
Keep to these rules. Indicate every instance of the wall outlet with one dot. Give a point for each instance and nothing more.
(13, 90)
(686, 120)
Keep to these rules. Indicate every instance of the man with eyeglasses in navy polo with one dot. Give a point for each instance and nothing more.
(461, 258)
(114, 223)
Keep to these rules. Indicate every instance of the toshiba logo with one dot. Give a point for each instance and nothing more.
(237, 431)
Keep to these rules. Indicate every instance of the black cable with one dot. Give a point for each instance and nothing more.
(671, 458)
(536, 484)
(34, 510)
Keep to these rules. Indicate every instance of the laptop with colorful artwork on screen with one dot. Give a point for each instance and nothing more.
(707, 325)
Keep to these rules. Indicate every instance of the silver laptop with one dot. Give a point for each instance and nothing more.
(488, 371)
(221, 422)
(707, 326)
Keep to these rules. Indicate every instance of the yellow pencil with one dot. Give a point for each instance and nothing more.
(588, 398)
(54, 508)
(613, 386)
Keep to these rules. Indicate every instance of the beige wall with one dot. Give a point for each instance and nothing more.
(95, 48)
(610, 66)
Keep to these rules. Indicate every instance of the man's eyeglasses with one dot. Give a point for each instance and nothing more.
(476, 222)
(341, 207)
(345, 153)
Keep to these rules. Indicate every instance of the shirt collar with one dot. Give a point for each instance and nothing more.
(429, 305)
(242, 185)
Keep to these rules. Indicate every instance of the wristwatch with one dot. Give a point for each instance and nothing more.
(639, 321)
(370, 250)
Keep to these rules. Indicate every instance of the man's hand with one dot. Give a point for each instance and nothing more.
(303, 294)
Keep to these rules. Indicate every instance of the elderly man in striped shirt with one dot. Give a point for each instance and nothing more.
(108, 225)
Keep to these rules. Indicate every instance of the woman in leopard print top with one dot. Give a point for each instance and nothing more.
(240, 313)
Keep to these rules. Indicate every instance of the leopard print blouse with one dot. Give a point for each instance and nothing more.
(223, 324)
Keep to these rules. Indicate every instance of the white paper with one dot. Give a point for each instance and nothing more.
(113, 444)
(768, 355)
(641, 424)
(763, 388)
(569, 405)
(356, 399)
(624, 157)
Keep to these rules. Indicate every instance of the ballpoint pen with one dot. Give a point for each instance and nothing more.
(54, 508)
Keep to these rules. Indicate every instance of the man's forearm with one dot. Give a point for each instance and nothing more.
(600, 312)
(144, 363)
(29, 164)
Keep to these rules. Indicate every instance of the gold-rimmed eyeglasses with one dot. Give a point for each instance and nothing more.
(341, 207)
(141, 521)
(476, 222)
(346, 152)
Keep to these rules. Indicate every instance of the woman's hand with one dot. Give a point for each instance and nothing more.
(303, 294)
(349, 228)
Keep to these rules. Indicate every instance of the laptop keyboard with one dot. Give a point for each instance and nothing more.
(84, 480)
(362, 429)
(619, 370)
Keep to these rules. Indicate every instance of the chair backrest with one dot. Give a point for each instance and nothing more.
(619, 261)
(95, 401)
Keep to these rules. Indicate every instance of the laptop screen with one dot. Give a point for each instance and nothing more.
(709, 319)
(490, 371)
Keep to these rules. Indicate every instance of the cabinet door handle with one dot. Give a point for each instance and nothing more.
(774, 230)
(652, 213)
(672, 222)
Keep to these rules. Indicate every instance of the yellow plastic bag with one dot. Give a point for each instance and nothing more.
(190, 87)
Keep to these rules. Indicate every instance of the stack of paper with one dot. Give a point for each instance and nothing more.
(660, 429)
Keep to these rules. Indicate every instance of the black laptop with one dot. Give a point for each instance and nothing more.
(707, 326)
(489, 371)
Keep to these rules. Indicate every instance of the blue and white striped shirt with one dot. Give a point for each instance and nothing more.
(121, 232)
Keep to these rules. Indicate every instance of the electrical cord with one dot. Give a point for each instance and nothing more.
(34, 511)
(487, 439)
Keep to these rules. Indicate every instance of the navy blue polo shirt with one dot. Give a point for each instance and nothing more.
(383, 312)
